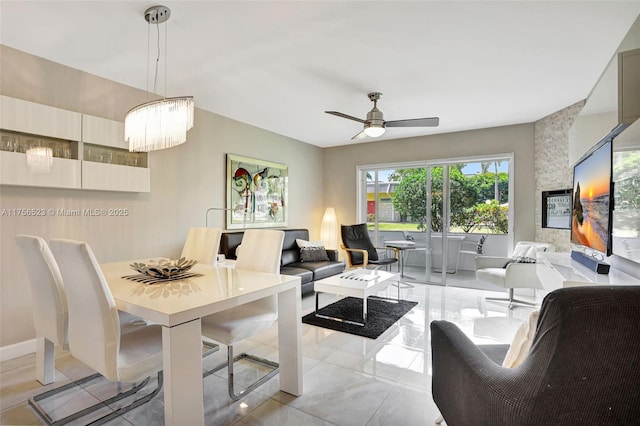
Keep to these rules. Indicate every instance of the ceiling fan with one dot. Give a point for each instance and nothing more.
(375, 125)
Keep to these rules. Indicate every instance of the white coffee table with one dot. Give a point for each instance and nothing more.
(354, 288)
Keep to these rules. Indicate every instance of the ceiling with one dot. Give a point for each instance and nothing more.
(279, 65)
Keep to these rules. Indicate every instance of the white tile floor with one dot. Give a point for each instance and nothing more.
(348, 380)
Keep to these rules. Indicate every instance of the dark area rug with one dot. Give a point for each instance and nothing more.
(381, 315)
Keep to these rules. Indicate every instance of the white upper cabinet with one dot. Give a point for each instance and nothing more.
(29, 117)
(100, 131)
(22, 170)
(84, 152)
(629, 86)
(113, 177)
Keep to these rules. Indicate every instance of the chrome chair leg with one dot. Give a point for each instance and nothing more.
(34, 402)
(138, 402)
(211, 346)
(511, 300)
(231, 359)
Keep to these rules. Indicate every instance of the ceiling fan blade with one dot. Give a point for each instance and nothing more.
(416, 122)
(360, 135)
(339, 114)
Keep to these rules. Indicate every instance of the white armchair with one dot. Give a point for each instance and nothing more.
(512, 272)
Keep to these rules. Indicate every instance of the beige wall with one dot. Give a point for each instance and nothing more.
(185, 181)
(340, 166)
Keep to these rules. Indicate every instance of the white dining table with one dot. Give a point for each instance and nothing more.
(178, 307)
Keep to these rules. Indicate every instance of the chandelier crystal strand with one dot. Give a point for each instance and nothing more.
(163, 123)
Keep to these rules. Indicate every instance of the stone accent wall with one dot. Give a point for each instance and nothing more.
(552, 168)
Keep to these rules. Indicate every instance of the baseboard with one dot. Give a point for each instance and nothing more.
(17, 350)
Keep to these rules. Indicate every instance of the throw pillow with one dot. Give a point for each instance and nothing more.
(313, 254)
(305, 243)
(522, 341)
(521, 259)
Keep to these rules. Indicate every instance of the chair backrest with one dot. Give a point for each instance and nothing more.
(357, 237)
(531, 248)
(47, 291)
(94, 327)
(261, 250)
(202, 245)
(585, 357)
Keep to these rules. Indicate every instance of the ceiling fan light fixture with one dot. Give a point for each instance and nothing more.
(374, 130)
(375, 124)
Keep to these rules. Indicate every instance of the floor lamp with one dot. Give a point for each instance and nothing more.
(329, 229)
(206, 219)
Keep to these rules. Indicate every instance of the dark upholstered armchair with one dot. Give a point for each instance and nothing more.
(360, 249)
(583, 367)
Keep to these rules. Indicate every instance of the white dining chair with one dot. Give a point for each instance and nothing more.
(50, 320)
(261, 252)
(202, 245)
(94, 331)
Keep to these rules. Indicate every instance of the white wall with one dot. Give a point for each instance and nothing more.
(185, 181)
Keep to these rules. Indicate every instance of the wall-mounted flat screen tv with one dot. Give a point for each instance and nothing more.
(592, 204)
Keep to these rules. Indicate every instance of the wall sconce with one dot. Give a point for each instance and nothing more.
(329, 229)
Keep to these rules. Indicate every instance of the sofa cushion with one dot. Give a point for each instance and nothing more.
(305, 275)
(290, 249)
(321, 269)
(289, 257)
(229, 241)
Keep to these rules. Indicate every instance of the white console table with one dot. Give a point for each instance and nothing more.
(556, 270)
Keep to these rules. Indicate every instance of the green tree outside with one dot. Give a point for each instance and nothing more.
(468, 199)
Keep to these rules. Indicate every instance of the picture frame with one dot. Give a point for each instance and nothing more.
(556, 209)
(257, 193)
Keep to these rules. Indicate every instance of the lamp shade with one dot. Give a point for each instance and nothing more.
(329, 229)
(159, 124)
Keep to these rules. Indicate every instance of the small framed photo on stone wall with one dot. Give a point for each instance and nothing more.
(556, 209)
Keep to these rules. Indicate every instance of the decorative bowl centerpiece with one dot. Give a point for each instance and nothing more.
(164, 268)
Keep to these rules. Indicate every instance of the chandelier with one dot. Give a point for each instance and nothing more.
(161, 123)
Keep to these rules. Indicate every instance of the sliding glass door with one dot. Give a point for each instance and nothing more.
(444, 207)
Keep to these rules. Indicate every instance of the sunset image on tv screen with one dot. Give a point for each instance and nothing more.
(590, 215)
